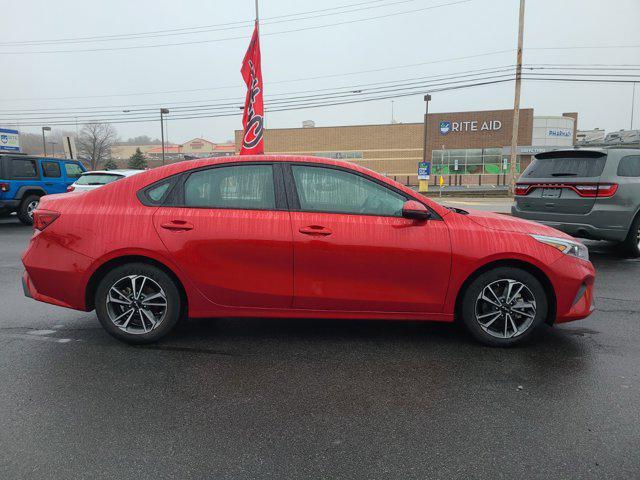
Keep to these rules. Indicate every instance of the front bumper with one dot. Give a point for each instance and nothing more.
(573, 280)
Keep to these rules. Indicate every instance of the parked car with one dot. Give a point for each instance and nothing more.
(98, 178)
(285, 236)
(587, 193)
(24, 179)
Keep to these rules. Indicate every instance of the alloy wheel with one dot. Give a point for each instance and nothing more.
(136, 304)
(505, 308)
(31, 206)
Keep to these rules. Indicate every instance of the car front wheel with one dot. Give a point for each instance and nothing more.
(504, 306)
(138, 303)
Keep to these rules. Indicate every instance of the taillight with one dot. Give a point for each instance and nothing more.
(601, 190)
(521, 189)
(4, 187)
(43, 218)
(607, 189)
(70, 188)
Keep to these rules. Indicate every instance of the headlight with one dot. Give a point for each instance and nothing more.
(568, 247)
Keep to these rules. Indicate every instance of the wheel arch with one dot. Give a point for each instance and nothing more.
(25, 191)
(514, 263)
(102, 270)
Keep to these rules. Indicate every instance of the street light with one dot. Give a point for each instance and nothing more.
(44, 143)
(163, 111)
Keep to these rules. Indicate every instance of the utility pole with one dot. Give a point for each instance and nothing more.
(163, 111)
(516, 104)
(633, 102)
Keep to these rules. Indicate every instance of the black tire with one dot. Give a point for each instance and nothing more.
(498, 279)
(26, 207)
(631, 244)
(105, 311)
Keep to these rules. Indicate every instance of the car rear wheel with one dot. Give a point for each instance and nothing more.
(138, 303)
(631, 244)
(504, 306)
(26, 208)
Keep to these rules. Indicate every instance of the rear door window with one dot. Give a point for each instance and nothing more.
(234, 187)
(629, 166)
(566, 167)
(23, 168)
(51, 169)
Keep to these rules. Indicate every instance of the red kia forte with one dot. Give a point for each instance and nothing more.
(281, 236)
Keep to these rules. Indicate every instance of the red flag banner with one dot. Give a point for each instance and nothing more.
(253, 117)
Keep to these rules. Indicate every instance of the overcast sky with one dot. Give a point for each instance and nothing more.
(121, 78)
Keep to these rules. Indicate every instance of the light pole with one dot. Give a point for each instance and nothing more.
(163, 111)
(44, 142)
(53, 148)
(633, 102)
(426, 114)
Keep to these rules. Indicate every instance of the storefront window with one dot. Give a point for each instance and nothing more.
(472, 161)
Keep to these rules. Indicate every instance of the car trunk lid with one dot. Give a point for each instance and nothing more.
(563, 182)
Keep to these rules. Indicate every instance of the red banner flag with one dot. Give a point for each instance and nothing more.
(253, 117)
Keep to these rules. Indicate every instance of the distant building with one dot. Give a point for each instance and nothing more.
(587, 137)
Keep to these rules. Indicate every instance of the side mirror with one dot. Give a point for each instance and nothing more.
(415, 210)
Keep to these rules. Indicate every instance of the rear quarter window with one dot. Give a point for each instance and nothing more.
(22, 168)
(629, 166)
(577, 166)
(73, 170)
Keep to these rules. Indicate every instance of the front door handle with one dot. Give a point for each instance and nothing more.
(177, 226)
(318, 230)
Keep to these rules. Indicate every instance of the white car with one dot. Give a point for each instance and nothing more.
(98, 178)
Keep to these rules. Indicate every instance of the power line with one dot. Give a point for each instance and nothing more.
(196, 42)
(239, 99)
(210, 28)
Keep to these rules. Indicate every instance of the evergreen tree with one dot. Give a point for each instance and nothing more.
(137, 161)
(110, 164)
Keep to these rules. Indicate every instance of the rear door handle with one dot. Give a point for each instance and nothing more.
(318, 230)
(48, 184)
(177, 226)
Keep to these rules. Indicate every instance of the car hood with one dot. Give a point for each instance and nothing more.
(507, 223)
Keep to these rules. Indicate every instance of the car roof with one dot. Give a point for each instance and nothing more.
(122, 172)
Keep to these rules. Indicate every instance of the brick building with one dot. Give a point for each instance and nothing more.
(464, 147)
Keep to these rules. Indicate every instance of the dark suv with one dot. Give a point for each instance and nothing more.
(24, 179)
(587, 193)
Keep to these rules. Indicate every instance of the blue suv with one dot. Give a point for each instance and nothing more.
(24, 179)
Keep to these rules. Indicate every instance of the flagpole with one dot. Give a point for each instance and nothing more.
(257, 16)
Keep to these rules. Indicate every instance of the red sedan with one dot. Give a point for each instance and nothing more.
(280, 236)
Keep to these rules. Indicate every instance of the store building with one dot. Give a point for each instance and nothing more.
(466, 148)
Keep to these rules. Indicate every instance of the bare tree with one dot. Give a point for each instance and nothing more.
(95, 142)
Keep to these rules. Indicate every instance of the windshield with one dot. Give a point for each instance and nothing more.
(565, 167)
(97, 179)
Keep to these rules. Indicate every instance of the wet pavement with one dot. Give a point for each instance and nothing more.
(254, 398)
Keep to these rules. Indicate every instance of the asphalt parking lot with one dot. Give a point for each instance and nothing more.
(235, 399)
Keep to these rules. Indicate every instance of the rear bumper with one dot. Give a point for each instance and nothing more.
(54, 273)
(592, 225)
(9, 205)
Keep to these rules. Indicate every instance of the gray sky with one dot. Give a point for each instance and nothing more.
(460, 30)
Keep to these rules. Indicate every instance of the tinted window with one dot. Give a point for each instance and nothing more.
(23, 168)
(331, 190)
(629, 166)
(73, 170)
(156, 193)
(97, 179)
(565, 167)
(245, 186)
(51, 169)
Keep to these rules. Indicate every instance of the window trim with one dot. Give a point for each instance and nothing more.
(294, 201)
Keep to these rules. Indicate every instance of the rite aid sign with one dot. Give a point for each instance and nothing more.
(470, 126)
(9, 140)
